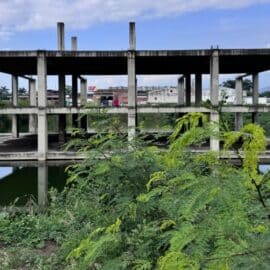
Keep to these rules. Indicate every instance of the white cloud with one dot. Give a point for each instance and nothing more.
(19, 15)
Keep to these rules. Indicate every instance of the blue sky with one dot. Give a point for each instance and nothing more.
(160, 24)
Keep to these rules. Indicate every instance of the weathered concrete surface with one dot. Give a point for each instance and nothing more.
(42, 104)
(14, 85)
(238, 101)
(181, 91)
(33, 103)
(142, 109)
(147, 62)
(198, 89)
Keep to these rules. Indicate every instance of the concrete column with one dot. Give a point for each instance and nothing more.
(214, 78)
(15, 127)
(214, 94)
(33, 103)
(132, 91)
(83, 102)
(181, 91)
(255, 95)
(74, 47)
(214, 143)
(61, 84)
(62, 103)
(238, 101)
(42, 104)
(198, 89)
(74, 99)
(61, 36)
(74, 44)
(42, 184)
(188, 89)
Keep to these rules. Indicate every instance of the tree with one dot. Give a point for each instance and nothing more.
(4, 92)
(22, 91)
(129, 205)
(247, 84)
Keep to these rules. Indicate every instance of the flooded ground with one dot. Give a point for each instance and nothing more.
(22, 183)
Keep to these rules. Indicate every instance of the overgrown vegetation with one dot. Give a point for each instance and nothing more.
(134, 206)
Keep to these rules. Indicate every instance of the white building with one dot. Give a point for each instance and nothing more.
(170, 95)
(163, 95)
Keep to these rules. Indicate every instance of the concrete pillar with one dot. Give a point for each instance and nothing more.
(61, 36)
(214, 78)
(132, 91)
(62, 103)
(214, 143)
(33, 103)
(61, 84)
(42, 104)
(15, 127)
(42, 184)
(74, 99)
(238, 101)
(188, 89)
(83, 102)
(181, 91)
(74, 47)
(74, 44)
(255, 95)
(198, 89)
(214, 94)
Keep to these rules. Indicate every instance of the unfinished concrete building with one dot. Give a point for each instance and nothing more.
(37, 65)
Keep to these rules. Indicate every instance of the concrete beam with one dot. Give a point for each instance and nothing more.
(124, 110)
(181, 91)
(14, 86)
(42, 104)
(33, 103)
(198, 89)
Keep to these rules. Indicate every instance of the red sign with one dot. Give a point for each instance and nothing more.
(92, 88)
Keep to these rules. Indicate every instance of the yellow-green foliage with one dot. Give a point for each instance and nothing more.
(98, 244)
(176, 261)
(253, 142)
(187, 122)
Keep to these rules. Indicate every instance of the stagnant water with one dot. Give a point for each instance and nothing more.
(21, 183)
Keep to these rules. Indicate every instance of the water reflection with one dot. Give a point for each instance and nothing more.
(27, 183)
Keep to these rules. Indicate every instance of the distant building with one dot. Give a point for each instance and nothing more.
(163, 95)
(117, 95)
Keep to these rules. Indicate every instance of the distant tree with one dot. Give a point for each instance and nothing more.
(68, 89)
(22, 91)
(247, 84)
(4, 91)
(265, 94)
(228, 83)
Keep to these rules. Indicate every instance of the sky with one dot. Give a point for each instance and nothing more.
(160, 24)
